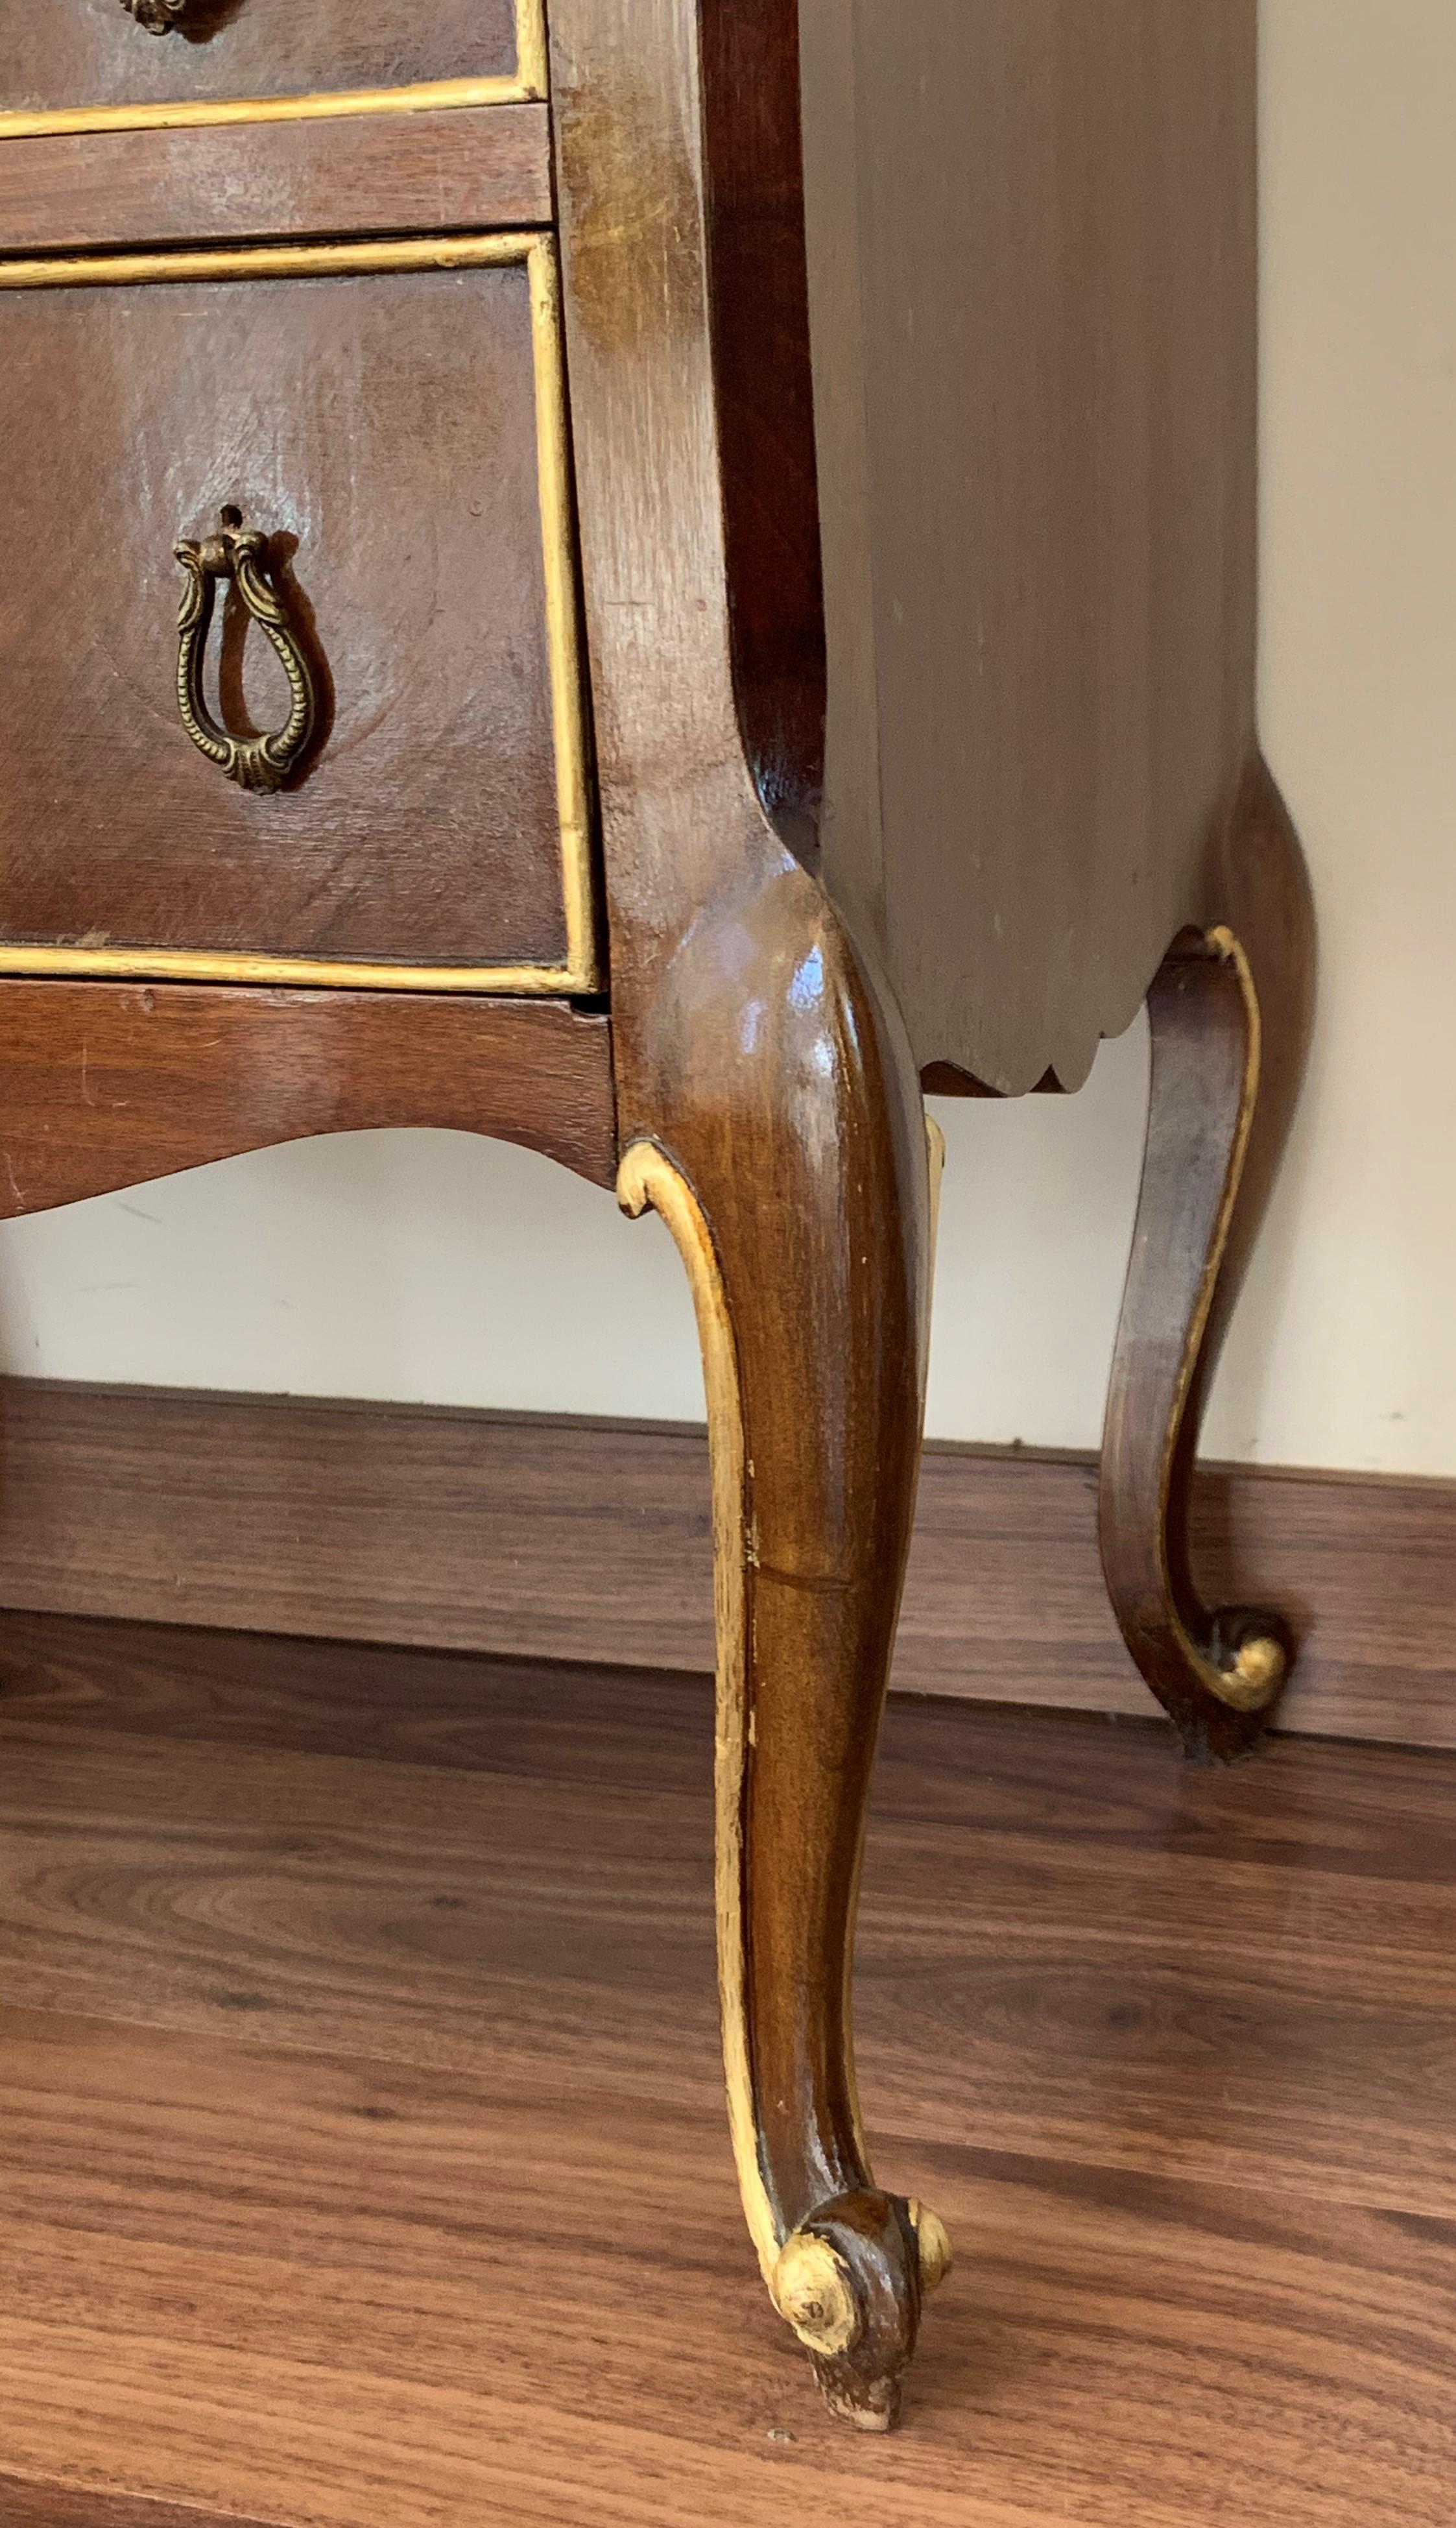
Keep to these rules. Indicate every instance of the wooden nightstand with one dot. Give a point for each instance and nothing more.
(708, 635)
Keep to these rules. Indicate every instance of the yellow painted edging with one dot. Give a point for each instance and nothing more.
(648, 1179)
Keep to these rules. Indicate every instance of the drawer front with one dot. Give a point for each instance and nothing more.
(388, 417)
(88, 65)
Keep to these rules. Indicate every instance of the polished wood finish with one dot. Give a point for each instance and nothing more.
(425, 827)
(357, 2011)
(824, 1302)
(810, 1550)
(576, 1538)
(73, 53)
(1231, 1012)
(757, 1057)
(107, 1085)
(758, 298)
(1033, 285)
(486, 168)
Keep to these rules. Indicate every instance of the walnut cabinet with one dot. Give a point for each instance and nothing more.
(653, 584)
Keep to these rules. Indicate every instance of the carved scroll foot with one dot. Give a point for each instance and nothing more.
(844, 2282)
(798, 1191)
(1230, 1011)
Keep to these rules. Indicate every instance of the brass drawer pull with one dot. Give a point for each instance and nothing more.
(159, 16)
(238, 553)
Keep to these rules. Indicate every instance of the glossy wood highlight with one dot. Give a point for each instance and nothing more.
(359, 2009)
(445, 170)
(823, 1305)
(107, 1085)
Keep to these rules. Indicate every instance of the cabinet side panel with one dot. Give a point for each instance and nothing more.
(1055, 252)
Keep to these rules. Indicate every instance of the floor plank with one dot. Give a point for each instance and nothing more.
(61, 2505)
(358, 2059)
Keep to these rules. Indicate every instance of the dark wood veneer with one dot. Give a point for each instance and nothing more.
(487, 167)
(70, 53)
(758, 284)
(106, 1085)
(570, 1538)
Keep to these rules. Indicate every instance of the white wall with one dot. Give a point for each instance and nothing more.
(422, 1266)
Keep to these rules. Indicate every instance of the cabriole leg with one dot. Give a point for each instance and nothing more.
(1230, 1012)
(800, 1206)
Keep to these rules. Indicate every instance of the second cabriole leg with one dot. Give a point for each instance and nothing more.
(1229, 1011)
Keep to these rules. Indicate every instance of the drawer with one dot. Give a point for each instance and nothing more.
(91, 65)
(390, 418)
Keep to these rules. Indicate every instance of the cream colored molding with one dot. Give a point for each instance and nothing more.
(648, 1179)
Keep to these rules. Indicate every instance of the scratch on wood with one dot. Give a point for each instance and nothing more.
(20, 1199)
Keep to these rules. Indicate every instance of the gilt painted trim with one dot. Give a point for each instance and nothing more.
(648, 1179)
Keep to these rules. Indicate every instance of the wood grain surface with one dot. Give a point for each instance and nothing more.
(449, 171)
(110, 1084)
(29, 2504)
(757, 1054)
(1032, 295)
(424, 826)
(590, 1540)
(87, 52)
(365, 2157)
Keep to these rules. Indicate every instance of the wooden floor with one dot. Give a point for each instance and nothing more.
(362, 2162)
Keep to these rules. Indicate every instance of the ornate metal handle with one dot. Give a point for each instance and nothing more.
(238, 553)
(159, 16)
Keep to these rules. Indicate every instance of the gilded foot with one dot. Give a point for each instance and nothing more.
(851, 2282)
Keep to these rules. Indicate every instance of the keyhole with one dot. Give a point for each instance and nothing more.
(231, 517)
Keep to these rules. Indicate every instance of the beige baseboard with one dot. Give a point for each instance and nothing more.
(589, 1540)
